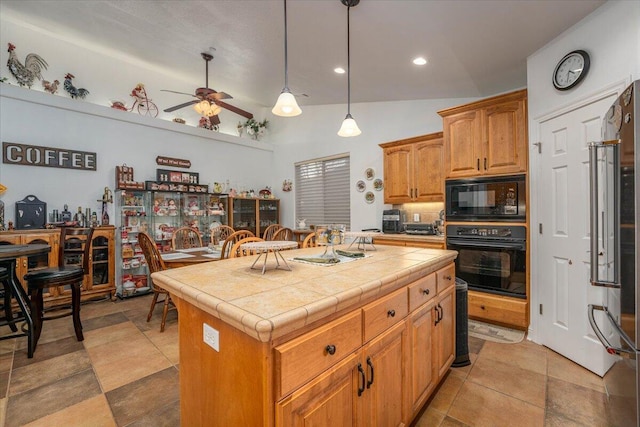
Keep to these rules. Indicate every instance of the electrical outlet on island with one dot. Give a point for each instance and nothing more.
(211, 337)
(416, 217)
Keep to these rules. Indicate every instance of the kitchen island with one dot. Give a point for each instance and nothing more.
(364, 341)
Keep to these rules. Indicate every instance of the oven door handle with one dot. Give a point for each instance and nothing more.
(497, 245)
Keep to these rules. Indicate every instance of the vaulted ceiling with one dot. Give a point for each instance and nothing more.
(474, 48)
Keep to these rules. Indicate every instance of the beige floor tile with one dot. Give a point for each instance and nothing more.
(166, 342)
(525, 355)
(463, 372)
(123, 361)
(446, 393)
(562, 368)
(576, 403)
(450, 422)
(480, 406)
(430, 418)
(3, 411)
(77, 415)
(511, 380)
(109, 334)
(48, 371)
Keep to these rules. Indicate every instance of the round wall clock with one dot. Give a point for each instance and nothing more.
(571, 70)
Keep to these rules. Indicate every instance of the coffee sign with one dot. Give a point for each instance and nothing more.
(34, 155)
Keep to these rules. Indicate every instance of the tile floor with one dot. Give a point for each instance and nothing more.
(125, 373)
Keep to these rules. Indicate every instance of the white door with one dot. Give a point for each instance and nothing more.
(563, 246)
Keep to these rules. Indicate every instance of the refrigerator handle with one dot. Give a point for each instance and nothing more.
(593, 214)
(630, 352)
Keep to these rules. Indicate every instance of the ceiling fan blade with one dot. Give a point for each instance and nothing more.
(177, 107)
(215, 120)
(219, 95)
(174, 91)
(235, 109)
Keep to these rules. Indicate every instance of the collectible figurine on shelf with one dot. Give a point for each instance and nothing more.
(27, 73)
(73, 91)
(143, 104)
(172, 208)
(52, 88)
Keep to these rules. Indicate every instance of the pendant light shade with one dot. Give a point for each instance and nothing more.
(349, 126)
(286, 106)
(205, 108)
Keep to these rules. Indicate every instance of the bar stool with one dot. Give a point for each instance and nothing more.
(8, 315)
(74, 243)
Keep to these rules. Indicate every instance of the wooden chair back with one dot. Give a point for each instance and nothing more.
(270, 231)
(237, 251)
(220, 233)
(309, 241)
(233, 239)
(185, 238)
(75, 247)
(151, 255)
(283, 234)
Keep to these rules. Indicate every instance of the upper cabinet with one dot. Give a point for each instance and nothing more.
(487, 137)
(413, 169)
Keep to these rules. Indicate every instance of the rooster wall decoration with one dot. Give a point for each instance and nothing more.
(52, 88)
(27, 73)
(72, 90)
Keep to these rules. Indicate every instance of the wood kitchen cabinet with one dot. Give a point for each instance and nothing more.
(253, 214)
(99, 280)
(413, 169)
(487, 137)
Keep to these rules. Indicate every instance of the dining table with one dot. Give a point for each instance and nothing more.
(274, 246)
(191, 256)
(9, 255)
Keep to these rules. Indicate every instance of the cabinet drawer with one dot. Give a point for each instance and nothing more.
(496, 308)
(384, 313)
(446, 277)
(303, 358)
(421, 291)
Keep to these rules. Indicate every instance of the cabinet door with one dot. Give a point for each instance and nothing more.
(268, 214)
(329, 400)
(445, 331)
(423, 374)
(398, 174)
(428, 171)
(385, 363)
(462, 144)
(505, 150)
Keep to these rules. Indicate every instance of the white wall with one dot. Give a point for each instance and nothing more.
(611, 36)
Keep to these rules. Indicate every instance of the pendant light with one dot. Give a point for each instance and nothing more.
(286, 106)
(349, 126)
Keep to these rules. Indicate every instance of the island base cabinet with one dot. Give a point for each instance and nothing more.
(230, 387)
(365, 389)
(424, 371)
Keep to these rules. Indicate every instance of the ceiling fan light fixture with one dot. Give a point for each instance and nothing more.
(349, 127)
(286, 105)
(202, 107)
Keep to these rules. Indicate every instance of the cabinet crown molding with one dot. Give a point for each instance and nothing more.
(511, 96)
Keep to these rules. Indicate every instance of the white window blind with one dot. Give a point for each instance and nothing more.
(322, 191)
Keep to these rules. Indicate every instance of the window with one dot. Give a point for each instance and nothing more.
(322, 191)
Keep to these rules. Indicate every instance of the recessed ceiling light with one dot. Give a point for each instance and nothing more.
(419, 61)
(339, 70)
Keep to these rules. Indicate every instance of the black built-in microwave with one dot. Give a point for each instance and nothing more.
(486, 199)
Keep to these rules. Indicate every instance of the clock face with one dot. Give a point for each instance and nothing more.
(571, 70)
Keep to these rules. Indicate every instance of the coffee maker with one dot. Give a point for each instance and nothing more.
(393, 221)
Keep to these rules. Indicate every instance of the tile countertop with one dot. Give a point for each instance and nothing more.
(271, 305)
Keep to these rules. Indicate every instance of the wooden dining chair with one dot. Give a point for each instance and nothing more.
(283, 234)
(237, 251)
(233, 239)
(309, 241)
(185, 238)
(73, 263)
(155, 263)
(270, 231)
(220, 233)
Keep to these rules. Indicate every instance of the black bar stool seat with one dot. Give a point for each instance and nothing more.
(74, 242)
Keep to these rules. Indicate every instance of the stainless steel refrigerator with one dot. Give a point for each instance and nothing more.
(615, 259)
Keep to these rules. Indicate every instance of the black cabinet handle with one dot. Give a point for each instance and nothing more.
(362, 377)
(478, 163)
(331, 349)
(437, 315)
(425, 291)
(370, 365)
(485, 163)
(447, 277)
(441, 312)
(391, 313)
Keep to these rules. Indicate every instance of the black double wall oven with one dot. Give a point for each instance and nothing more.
(491, 238)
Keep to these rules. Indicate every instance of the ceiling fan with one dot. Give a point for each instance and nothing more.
(208, 95)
